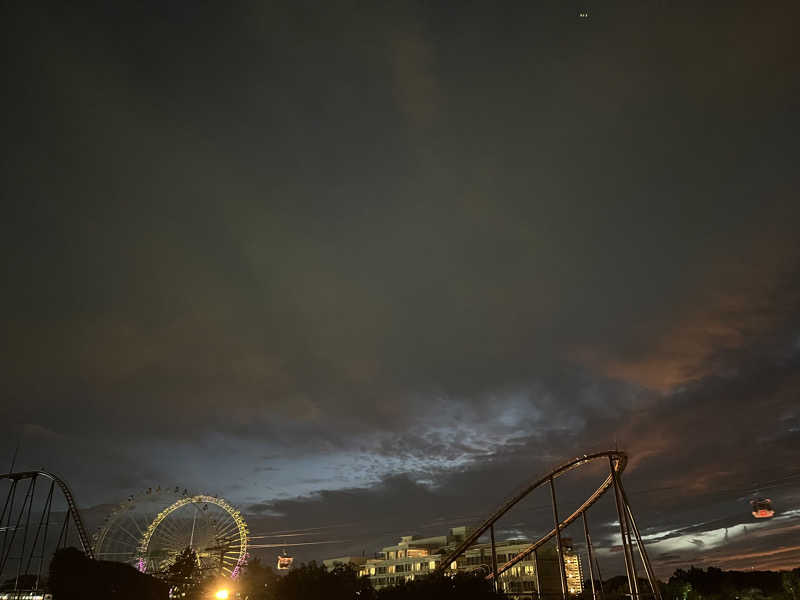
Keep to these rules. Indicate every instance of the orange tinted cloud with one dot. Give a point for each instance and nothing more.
(733, 304)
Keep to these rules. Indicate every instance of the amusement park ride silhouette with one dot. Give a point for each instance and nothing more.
(150, 530)
(147, 532)
(628, 529)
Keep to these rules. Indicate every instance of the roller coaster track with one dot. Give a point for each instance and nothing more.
(15, 523)
(617, 461)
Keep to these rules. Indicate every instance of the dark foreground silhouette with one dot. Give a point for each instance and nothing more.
(716, 584)
(73, 576)
(311, 581)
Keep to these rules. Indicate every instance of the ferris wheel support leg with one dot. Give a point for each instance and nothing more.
(651, 578)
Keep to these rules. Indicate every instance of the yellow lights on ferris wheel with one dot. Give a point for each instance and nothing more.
(221, 594)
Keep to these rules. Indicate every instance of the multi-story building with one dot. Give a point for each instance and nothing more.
(413, 557)
(572, 568)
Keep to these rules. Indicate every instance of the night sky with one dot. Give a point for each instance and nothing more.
(369, 266)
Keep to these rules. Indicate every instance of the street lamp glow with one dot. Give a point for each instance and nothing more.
(221, 594)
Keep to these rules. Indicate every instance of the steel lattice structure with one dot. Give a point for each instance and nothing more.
(629, 531)
(25, 537)
(149, 530)
(219, 538)
(218, 534)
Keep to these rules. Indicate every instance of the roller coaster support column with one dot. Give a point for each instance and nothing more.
(12, 495)
(558, 539)
(589, 551)
(648, 569)
(48, 507)
(8, 548)
(32, 487)
(495, 583)
(626, 508)
(538, 575)
(633, 591)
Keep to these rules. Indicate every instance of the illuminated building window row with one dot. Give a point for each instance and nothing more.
(401, 562)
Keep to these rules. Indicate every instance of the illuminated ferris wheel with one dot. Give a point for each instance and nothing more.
(210, 526)
(151, 530)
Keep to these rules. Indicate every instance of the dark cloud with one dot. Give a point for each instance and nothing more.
(385, 264)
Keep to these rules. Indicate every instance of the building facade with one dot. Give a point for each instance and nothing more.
(411, 557)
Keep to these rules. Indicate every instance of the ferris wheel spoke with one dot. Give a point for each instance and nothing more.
(136, 525)
(129, 534)
(212, 527)
(166, 540)
(202, 514)
(229, 528)
(178, 541)
(164, 547)
(164, 531)
(164, 565)
(174, 532)
(198, 525)
(169, 541)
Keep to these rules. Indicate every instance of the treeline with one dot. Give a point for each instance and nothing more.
(312, 582)
(716, 584)
(73, 576)
(710, 584)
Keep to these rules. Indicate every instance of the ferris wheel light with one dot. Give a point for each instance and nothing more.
(215, 531)
(221, 594)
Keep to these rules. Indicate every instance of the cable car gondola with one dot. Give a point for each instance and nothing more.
(285, 561)
(762, 508)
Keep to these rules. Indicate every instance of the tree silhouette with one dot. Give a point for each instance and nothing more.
(315, 582)
(26, 581)
(462, 586)
(185, 576)
(257, 580)
(73, 576)
(791, 583)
